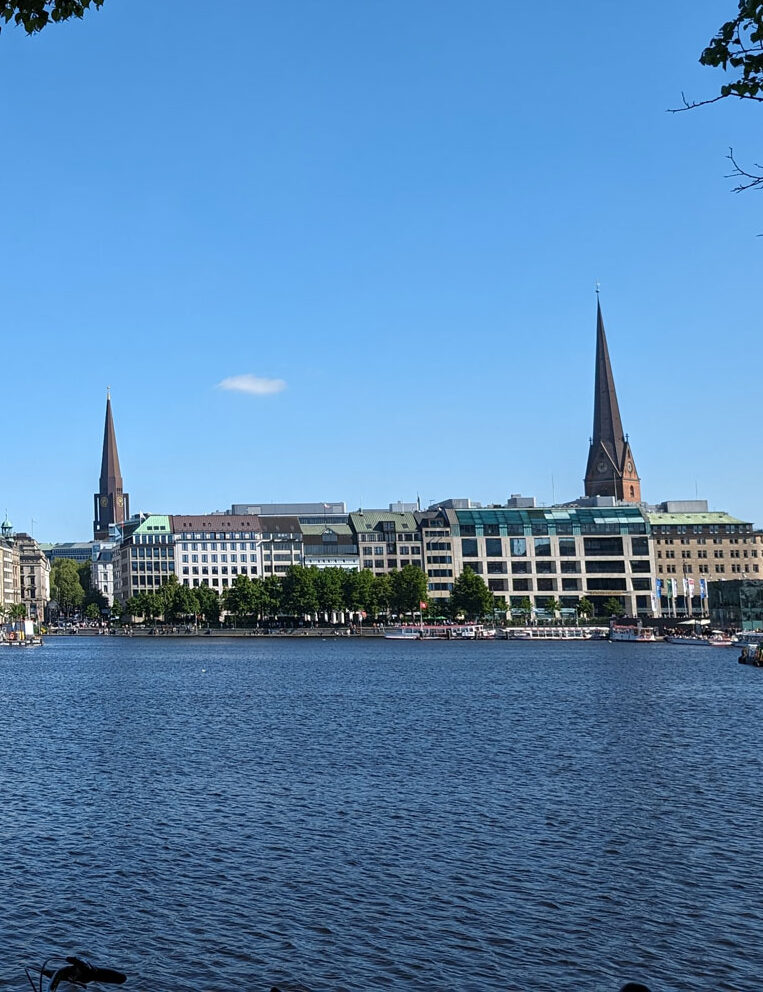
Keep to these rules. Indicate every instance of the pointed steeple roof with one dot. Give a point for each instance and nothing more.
(610, 470)
(607, 425)
(111, 476)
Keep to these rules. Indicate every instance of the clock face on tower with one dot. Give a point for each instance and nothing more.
(601, 466)
(120, 500)
(629, 466)
(104, 500)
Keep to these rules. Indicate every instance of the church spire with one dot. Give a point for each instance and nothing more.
(610, 470)
(112, 504)
(111, 477)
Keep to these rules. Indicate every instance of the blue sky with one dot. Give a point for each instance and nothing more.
(391, 216)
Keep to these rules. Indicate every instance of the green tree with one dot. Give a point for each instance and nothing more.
(299, 593)
(34, 15)
(179, 602)
(155, 603)
(352, 591)
(612, 607)
(209, 603)
(271, 596)
(65, 585)
(92, 612)
(382, 593)
(738, 45)
(737, 49)
(553, 606)
(584, 608)
(408, 589)
(17, 611)
(371, 593)
(329, 589)
(471, 596)
(239, 598)
(132, 607)
(526, 606)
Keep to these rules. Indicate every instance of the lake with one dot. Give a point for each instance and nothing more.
(362, 814)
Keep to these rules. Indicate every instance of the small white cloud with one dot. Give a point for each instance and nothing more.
(253, 384)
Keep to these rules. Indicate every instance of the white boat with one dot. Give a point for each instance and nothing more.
(403, 634)
(438, 632)
(556, 633)
(631, 632)
(720, 640)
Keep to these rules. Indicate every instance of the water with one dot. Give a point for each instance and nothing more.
(383, 815)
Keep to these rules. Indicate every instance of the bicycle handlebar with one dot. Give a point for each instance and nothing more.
(76, 971)
(83, 972)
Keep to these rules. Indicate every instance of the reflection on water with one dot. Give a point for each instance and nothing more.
(383, 814)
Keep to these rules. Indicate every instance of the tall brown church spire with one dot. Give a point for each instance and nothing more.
(611, 470)
(112, 504)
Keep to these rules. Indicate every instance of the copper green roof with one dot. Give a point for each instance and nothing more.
(656, 519)
(156, 523)
(316, 530)
(365, 520)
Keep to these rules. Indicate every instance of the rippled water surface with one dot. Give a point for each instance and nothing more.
(370, 815)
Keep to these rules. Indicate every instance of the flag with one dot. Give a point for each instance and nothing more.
(655, 602)
(686, 587)
(422, 605)
(703, 588)
(674, 585)
(658, 587)
(691, 587)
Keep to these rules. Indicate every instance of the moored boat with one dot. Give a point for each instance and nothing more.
(720, 640)
(634, 633)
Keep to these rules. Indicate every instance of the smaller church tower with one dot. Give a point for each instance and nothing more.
(112, 504)
(611, 470)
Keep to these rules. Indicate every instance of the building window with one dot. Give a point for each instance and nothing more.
(600, 585)
(493, 547)
(469, 548)
(603, 546)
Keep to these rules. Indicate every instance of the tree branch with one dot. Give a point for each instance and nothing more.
(755, 181)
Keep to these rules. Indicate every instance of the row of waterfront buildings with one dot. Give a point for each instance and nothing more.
(665, 560)
(669, 559)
